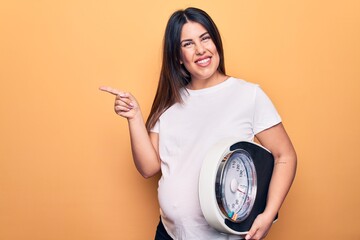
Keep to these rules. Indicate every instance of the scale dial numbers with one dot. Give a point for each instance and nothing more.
(237, 185)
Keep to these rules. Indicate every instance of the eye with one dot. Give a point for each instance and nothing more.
(205, 38)
(187, 44)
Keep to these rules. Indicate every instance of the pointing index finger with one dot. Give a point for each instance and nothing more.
(110, 90)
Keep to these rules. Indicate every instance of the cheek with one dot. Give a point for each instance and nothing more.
(215, 53)
(185, 56)
(212, 49)
(187, 66)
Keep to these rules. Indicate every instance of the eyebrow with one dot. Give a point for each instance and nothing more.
(186, 40)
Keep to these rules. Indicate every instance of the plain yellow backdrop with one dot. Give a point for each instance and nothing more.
(65, 163)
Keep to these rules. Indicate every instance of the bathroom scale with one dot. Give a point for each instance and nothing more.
(233, 185)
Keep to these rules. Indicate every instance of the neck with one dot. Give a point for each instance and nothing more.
(197, 84)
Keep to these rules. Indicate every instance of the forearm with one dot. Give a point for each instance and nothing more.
(145, 156)
(144, 150)
(277, 141)
(281, 181)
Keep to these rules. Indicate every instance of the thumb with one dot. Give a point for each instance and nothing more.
(129, 96)
(251, 232)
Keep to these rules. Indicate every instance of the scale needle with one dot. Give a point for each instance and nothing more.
(240, 191)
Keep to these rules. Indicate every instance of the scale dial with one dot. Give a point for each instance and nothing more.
(233, 185)
(236, 183)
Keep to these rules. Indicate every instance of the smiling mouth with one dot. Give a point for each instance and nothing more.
(203, 61)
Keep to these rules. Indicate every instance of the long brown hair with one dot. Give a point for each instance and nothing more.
(173, 75)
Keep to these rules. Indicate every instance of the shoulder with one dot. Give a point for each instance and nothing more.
(239, 84)
(242, 82)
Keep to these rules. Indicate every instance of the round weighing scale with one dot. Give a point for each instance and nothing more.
(233, 185)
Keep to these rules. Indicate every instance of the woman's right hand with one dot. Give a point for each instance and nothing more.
(125, 104)
(144, 147)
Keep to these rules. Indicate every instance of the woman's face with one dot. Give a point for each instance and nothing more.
(198, 52)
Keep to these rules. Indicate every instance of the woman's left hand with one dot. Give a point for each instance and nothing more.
(260, 227)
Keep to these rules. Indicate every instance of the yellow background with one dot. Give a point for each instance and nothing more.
(65, 164)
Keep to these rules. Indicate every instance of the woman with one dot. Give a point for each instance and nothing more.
(195, 106)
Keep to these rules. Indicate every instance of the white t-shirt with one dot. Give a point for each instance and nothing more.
(233, 108)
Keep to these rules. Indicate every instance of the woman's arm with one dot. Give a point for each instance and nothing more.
(144, 146)
(277, 141)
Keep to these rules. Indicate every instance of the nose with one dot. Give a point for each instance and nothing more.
(199, 50)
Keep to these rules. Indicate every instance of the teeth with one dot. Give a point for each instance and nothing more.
(204, 60)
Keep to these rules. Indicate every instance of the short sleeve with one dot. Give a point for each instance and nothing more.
(265, 113)
(156, 128)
